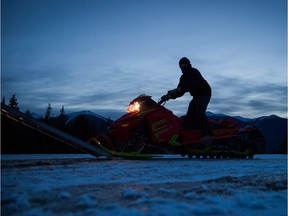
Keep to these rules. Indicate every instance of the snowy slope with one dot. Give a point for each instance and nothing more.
(82, 185)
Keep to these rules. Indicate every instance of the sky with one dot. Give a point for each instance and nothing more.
(99, 55)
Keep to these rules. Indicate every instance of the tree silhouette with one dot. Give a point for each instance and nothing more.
(48, 113)
(62, 113)
(28, 113)
(13, 102)
(61, 119)
(3, 101)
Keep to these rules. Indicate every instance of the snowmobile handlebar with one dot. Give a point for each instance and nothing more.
(171, 94)
(164, 98)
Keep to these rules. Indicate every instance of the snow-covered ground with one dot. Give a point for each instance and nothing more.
(171, 185)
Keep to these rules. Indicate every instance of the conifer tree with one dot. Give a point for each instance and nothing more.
(62, 113)
(28, 113)
(48, 113)
(3, 101)
(13, 102)
(62, 119)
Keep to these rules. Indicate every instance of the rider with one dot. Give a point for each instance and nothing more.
(192, 81)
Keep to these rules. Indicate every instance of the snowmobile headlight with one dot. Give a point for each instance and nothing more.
(133, 107)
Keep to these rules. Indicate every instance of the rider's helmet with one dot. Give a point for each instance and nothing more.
(184, 60)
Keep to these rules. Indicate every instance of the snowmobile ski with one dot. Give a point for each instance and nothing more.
(125, 155)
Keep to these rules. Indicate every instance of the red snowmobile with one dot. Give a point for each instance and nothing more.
(148, 128)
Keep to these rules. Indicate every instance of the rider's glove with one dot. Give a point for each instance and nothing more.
(165, 97)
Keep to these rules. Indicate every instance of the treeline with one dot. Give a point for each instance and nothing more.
(13, 103)
(17, 138)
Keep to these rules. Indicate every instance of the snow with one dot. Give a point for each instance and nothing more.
(84, 185)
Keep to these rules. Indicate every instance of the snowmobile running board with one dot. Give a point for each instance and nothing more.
(125, 155)
(53, 132)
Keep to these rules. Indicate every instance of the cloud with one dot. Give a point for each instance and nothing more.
(238, 96)
(105, 87)
(82, 59)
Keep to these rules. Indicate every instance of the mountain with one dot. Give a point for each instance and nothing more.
(99, 121)
(86, 124)
(36, 115)
(218, 117)
(273, 128)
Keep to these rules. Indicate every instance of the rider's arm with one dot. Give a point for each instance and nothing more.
(175, 93)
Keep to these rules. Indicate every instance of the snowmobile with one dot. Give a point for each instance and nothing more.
(149, 129)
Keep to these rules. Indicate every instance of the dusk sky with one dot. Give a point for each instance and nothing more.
(98, 55)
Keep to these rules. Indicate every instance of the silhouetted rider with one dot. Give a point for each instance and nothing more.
(192, 81)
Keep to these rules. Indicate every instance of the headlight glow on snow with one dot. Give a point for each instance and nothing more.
(133, 107)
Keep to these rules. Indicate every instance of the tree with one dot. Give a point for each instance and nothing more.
(62, 113)
(3, 101)
(48, 113)
(13, 102)
(28, 113)
(61, 119)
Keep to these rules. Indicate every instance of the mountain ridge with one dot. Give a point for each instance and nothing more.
(273, 127)
(86, 124)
